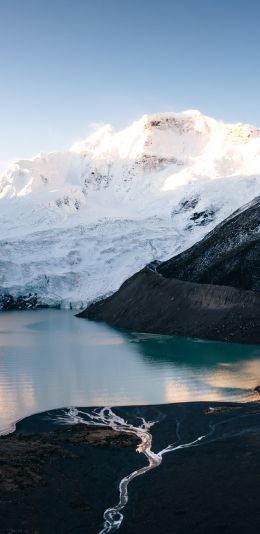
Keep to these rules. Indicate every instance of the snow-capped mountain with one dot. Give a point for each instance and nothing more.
(74, 225)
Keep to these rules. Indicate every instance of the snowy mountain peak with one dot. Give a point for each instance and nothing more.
(188, 144)
(119, 199)
(147, 131)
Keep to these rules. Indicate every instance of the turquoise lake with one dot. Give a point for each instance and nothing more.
(50, 359)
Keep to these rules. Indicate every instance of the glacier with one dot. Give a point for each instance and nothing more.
(75, 224)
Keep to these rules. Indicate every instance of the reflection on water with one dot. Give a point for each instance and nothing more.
(50, 359)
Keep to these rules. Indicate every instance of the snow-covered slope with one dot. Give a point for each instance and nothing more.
(74, 225)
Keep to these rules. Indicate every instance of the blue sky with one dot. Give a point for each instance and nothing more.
(67, 63)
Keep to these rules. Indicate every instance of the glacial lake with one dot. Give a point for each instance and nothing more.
(50, 359)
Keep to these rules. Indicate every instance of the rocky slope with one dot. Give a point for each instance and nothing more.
(75, 225)
(153, 300)
(229, 255)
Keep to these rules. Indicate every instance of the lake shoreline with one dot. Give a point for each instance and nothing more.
(149, 302)
(49, 359)
(61, 479)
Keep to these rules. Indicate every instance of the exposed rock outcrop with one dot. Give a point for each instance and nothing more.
(22, 302)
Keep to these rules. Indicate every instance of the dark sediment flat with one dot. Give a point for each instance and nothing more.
(149, 302)
(61, 479)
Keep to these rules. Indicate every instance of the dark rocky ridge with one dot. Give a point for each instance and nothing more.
(183, 296)
(229, 255)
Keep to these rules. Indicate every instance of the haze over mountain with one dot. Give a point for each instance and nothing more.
(74, 225)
